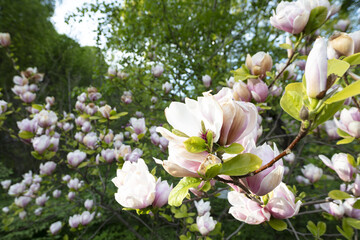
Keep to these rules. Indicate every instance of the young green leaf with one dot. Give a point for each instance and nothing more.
(316, 19)
(353, 59)
(195, 145)
(292, 100)
(338, 195)
(240, 165)
(277, 224)
(181, 190)
(234, 148)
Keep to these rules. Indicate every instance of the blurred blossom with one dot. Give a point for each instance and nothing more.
(54, 144)
(5, 209)
(356, 38)
(259, 90)
(281, 203)
(41, 200)
(47, 168)
(246, 210)
(155, 139)
(312, 172)
(291, 17)
(55, 227)
(291, 74)
(126, 97)
(41, 143)
(105, 111)
(342, 24)
(302, 180)
(5, 39)
(152, 129)
(33, 88)
(34, 187)
(164, 143)
(341, 165)
(340, 44)
(22, 215)
(94, 96)
(290, 158)
(90, 140)
(66, 178)
(205, 224)
(88, 204)
(108, 155)
(265, 181)
(286, 170)
(82, 97)
(86, 127)
(136, 185)
(27, 125)
(259, 64)
(91, 109)
(56, 193)
(46, 118)
(38, 211)
(18, 90)
(241, 92)
(74, 184)
(335, 208)
(3, 106)
(71, 195)
(22, 201)
(111, 72)
(87, 217)
(162, 192)
(134, 137)
(275, 90)
(311, 4)
(122, 75)
(27, 97)
(134, 155)
(138, 125)
(76, 157)
(80, 106)
(154, 99)
(331, 129)
(67, 126)
(50, 100)
(230, 82)
(157, 71)
(167, 87)
(350, 211)
(5, 184)
(202, 207)
(108, 138)
(37, 178)
(349, 121)
(74, 220)
(206, 81)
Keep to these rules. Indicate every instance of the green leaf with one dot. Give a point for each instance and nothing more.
(242, 74)
(357, 204)
(195, 145)
(285, 46)
(338, 195)
(277, 224)
(212, 170)
(312, 228)
(353, 59)
(353, 222)
(321, 227)
(181, 190)
(210, 140)
(94, 117)
(194, 228)
(26, 134)
(345, 141)
(349, 91)
(337, 67)
(37, 107)
(241, 164)
(49, 155)
(316, 19)
(327, 112)
(167, 217)
(36, 155)
(292, 100)
(234, 148)
(83, 164)
(343, 133)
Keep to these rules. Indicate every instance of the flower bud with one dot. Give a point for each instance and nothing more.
(90, 140)
(167, 87)
(5, 184)
(56, 193)
(163, 144)
(22, 215)
(5, 209)
(155, 139)
(5, 39)
(157, 71)
(356, 38)
(21, 81)
(342, 43)
(41, 143)
(342, 25)
(38, 211)
(335, 208)
(87, 217)
(202, 207)
(66, 178)
(259, 64)
(41, 200)
(22, 201)
(108, 155)
(331, 129)
(154, 99)
(162, 192)
(27, 97)
(138, 125)
(230, 82)
(105, 111)
(312, 172)
(206, 81)
(291, 17)
(259, 90)
(76, 157)
(71, 196)
(316, 69)
(350, 211)
(55, 227)
(349, 121)
(74, 220)
(111, 72)
(88, 204)
(205, 224)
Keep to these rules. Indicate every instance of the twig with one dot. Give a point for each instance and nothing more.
(309, 212)
(317, 202)
(293, 229)
(99, 228)
(235, 232)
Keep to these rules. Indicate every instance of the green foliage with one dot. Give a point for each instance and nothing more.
(181, 190)
(195, 145)
(317, 18)
(277, 224)
(241, 164)
(338, 195)
(234, 148)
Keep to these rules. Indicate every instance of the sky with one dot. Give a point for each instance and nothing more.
(84, 32)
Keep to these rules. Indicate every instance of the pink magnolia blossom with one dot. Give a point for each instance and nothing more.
(55, 227)
(47, 168)
(341, 165)
(259, 64)
(349, 121)
(202, 207)
(205, 224)
(162, 192)
(312, 172)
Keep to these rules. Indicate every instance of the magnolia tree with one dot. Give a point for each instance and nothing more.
(218, 146)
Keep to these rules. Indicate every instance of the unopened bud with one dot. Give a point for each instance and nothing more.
(304, 113)
(342, 43)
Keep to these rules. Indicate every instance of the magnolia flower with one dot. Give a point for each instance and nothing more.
(38, 211)
(5, 209)
(138, 125)
(126, 97)
(76, 157)
(5, 39)
(3, 106)
(56, 193)
(22, 215)
(350, 211)
(281, 203)
(162, 192)
(342, 25)
(46, 118)
(291, 17)
(122, 75)
(90, 140)
(167, 87)
(41, 200)
(74, 184)
(202, 207)
(206, 81)
(47, 168)
(230, 82)
(154, 99)
(74, 220)
(258, 89)
(331, 129)
(335, 208)
(91, 109)
(341, 165)
(247, 210)
(71, 195)
(265, 181)
(312, 172)
(88, 204)
(290, 158)
(134, 155)
(316, 69)
(163, 144)
(356, 38)
(5, 184)
(55, 227)
(289, 69)
(27, 97)
(108, 155)
(155, 139)
(205, 224)
(136, 185)
(340, 44)
(241, 92)
(22, 201)
(259, 64)
(41, 143)
(349, 121)
(157, 71)
(66, 178)
(87, 217)
(105, 111)
(80, 106)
